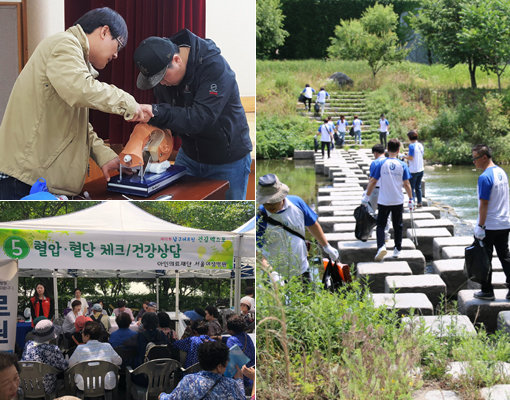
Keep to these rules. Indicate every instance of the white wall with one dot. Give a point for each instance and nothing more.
(232, 26)
(44, 18)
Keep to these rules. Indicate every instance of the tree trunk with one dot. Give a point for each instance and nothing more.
(472, 73)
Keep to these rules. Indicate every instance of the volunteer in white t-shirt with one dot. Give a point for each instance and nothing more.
(321, 99)
(341, 128)
(391, 174)
(308, 92)
(326, 134)
(415, 158)
(84, 303)
(284, 249)
(493, 222)
(356, 124)
(383, 130)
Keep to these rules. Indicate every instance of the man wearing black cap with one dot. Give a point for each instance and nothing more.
(198, 100)
(281, 223)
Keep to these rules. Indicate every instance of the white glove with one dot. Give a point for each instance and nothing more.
(331, 252)
(479, 232)
(365, 199)
(411, 204)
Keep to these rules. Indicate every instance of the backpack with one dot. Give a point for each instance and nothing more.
(104, 333)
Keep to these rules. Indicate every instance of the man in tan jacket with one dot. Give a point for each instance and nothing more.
(45, 131)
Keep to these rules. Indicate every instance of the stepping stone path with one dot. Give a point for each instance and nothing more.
(436, 246)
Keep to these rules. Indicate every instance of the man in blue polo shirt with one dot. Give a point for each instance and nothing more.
(281, 223)
(391, 174)
(493, 222)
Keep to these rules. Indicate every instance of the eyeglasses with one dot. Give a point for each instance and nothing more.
(120, 44)
(476, 158)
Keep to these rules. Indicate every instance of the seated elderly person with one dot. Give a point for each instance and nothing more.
(97, 315)
(190, 344)
(149, 333)
(9, 377)
(247, 313)
(30, 335)
(212, 315)
(42, 351)
(70, 318)
(76, 337)
(209, 383)
(93, 349)
(121, 308)
(123, 334)
(236, 328)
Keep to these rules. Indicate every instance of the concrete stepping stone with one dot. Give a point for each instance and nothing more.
(458, 252)
(343, 212)
(414, 258)
(452, 273)
(346, 202)
(404, 302)
(363, 184)
(406, 218)
(346, 227)
(430, 284)
(357, 251)
(426, 236)
(504, 321)
(459, 369)
(303, 154)
(374, 273)
(435, 395)
(441, 325)
(483, 311)
(439, 243)
(498, 281)
(328, 210)
(496, 392)
(435, 223)
(328, 223)
(436, 212)
(325, 200)
(335, 237)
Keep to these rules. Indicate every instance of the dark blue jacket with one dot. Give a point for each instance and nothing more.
(205, 109)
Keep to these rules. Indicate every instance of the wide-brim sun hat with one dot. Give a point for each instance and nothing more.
(247, 300)
(44, 331)
(270, 190)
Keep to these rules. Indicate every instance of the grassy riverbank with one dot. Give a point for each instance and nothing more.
(434, 100)
(317, 345)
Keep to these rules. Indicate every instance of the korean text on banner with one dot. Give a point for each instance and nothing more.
(8, 303)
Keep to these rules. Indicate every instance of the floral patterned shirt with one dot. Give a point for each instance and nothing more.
(196, 386)
(47, 354)
(190, 346)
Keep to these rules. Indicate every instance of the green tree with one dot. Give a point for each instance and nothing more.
(486, 28)
(372, 38)
(440, 23)
(270, 32)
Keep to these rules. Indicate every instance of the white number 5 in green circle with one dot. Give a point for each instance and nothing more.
(16, 247)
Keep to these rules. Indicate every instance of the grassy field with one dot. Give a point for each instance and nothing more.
(434, 100)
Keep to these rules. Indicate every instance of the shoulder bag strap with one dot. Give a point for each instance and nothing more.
(267, 218)
(211, 388)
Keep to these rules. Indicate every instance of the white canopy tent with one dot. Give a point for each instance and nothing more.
(118, 239)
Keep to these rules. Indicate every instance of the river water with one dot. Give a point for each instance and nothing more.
(452, 188)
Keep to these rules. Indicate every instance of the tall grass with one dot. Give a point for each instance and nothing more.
(312, 344)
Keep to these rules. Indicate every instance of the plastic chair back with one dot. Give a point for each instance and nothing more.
(93, 374)
(192, 369)
(162, 376)
(31, 379)
(157, 351)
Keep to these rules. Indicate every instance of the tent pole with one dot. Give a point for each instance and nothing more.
(177, 290)
(237, 266)
(157, 292)
(75, 282)
(231, 287)
(55, 292)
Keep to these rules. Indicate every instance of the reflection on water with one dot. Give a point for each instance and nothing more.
(453, 186)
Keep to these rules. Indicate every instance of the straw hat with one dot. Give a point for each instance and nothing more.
(270, 190)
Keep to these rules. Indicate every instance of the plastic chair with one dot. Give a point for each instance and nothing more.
(192, 369)
(93, 374)
(31, 379)
(158, 351)
(162, 376)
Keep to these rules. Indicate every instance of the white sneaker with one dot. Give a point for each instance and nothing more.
(396, 253)
(380, 254)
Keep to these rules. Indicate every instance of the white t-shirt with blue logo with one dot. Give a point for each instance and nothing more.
(391, 174)
(321, 96)
(493, 186)
(416, 164)
(383, 125)
(357, 124)
(285, 251)
(308, 92)
(342, 126)
(325, 132)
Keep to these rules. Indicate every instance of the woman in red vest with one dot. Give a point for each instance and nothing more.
(41, 304)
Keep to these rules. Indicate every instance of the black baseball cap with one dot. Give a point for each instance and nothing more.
(152, 58)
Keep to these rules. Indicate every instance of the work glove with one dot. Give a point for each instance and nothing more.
(331, 252)
(411, 204)
(365, 199)
(479, 232)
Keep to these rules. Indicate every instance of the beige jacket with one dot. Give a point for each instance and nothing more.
(45, 131)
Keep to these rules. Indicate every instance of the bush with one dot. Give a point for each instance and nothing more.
(277, 137)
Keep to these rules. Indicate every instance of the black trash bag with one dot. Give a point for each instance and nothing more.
(317, 107)
(365, 222)
(351, 131)
(477, 265)
(339, 142)
(332, 280)
(302, 98)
